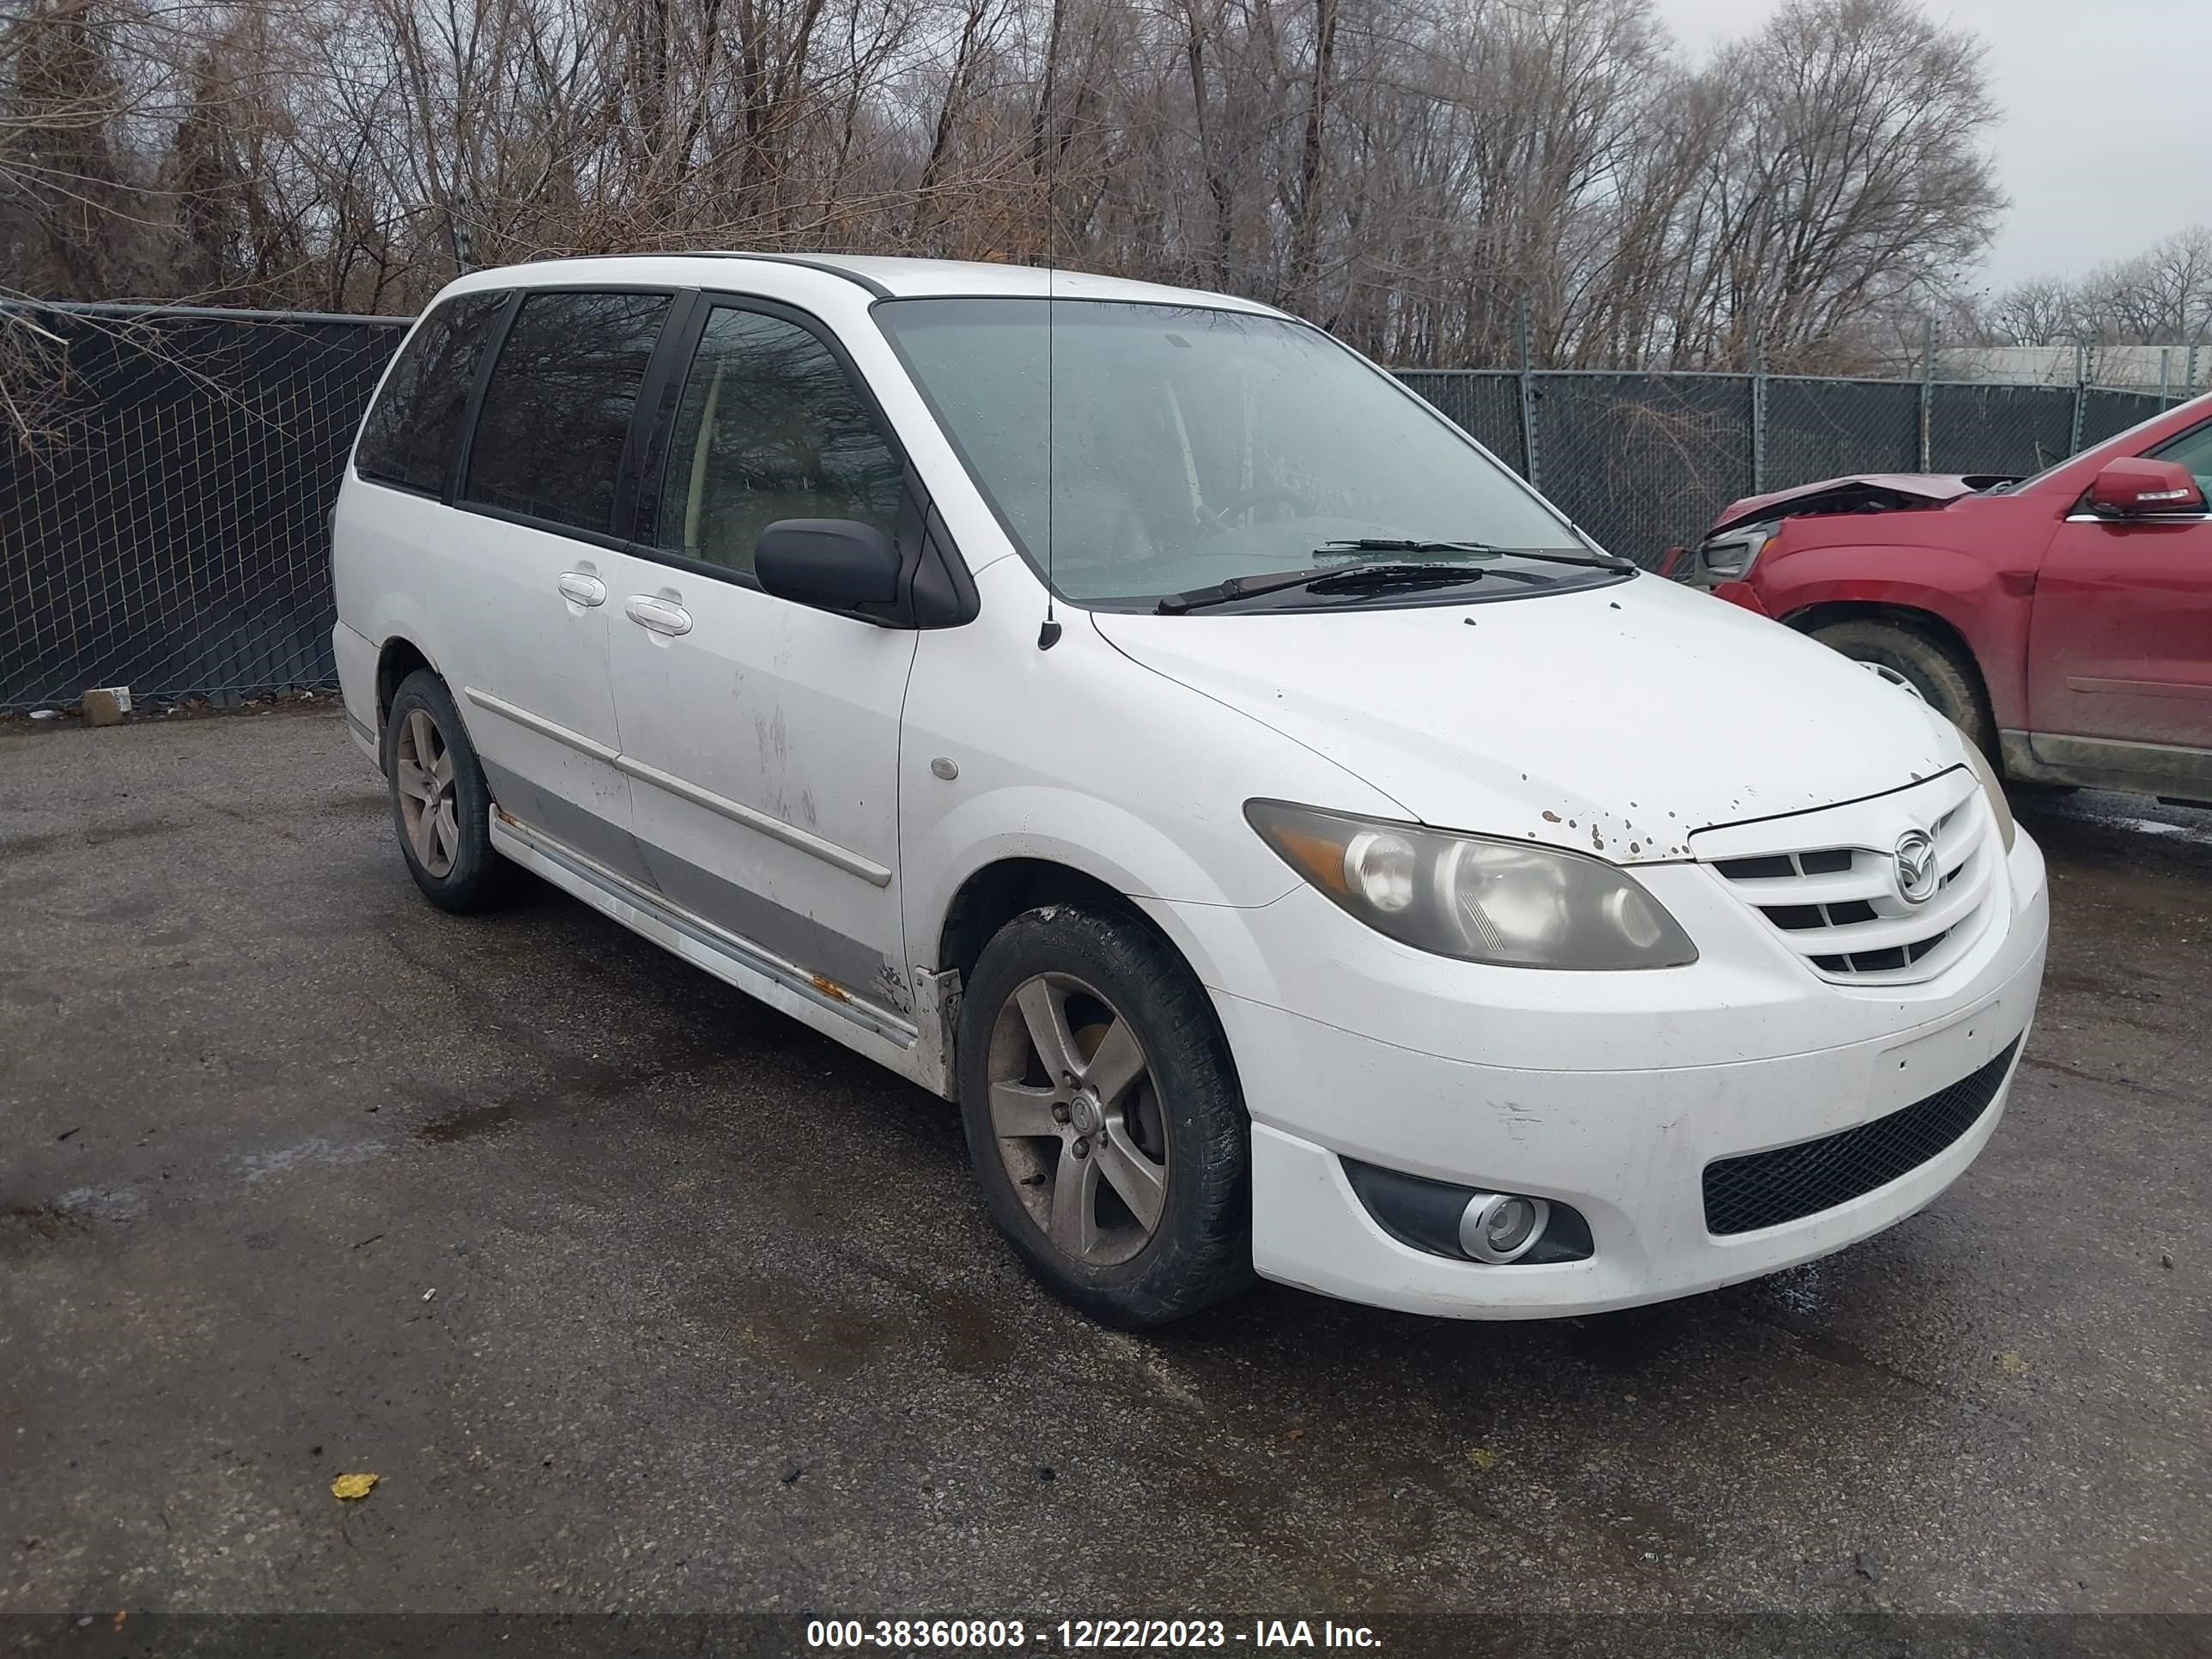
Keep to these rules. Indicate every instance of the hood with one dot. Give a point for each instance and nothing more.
(1861, 492)
(1617, 720)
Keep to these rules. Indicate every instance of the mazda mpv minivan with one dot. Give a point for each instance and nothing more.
(1133, 715)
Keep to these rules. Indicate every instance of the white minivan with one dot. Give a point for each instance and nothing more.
(1133, 715)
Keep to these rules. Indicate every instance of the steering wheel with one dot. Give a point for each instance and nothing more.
(1258, 495)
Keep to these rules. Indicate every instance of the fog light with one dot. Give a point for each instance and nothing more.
(1469, 1223)
(1502, 1226)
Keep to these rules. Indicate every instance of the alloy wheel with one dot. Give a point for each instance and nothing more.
(430, 814)
(1078, 1120)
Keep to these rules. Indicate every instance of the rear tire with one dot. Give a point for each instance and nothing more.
(1947, 682)
(441, 803)
(1124, 1184)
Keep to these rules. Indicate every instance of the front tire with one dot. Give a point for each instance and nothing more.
(1947, 684)
(1103, 1116)
(441, 803)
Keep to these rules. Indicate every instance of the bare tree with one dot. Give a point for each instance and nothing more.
(1414, 174)
(68, 183)
(1855, 180)
(2161, 296)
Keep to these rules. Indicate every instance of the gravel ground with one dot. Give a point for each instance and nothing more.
(640, 1298)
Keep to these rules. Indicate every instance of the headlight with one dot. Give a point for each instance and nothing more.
(1731, 554)
(1993, 788)
(1507, 902)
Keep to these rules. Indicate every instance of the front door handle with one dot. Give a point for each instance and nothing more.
(661, 616)
(582, 587)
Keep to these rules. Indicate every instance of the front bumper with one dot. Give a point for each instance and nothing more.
(1621, 1127)
(1738, 593)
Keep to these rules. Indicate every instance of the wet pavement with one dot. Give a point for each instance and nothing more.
(639, 1296)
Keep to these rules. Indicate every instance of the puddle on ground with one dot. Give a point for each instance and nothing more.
(102, 1203)
(317, 1151)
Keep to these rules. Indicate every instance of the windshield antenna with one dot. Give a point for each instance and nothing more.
(1049, 634)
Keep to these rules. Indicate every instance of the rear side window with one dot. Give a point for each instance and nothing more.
(557, 411)
(771, 426)
(410, 435)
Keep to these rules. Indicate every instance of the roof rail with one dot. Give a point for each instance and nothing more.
(827, 266)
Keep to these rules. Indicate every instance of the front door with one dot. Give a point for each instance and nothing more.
(761, 737)
(2120, 646)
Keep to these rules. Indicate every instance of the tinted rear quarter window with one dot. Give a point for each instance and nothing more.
(557, 411)
(410, 435)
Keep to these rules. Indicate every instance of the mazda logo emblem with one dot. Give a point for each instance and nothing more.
(1916, 867)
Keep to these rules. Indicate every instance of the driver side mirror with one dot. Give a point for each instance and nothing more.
(2139, 488)
(831, 564)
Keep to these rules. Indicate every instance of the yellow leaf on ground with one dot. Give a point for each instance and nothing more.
(351, 1487)
(1481, 1457)
(2011, 1363)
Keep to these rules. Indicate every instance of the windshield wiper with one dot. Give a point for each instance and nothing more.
(1337, 579)
(1396, 545)
(1385, 545)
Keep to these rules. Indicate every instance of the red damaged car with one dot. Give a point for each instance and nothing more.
(2064, 620)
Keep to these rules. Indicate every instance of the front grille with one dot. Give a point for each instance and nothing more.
(1765, 1189)
(1838, 907)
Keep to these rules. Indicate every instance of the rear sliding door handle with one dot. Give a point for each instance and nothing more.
(659, 615)
(583, 589)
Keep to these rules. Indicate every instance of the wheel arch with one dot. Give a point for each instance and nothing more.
(396, 659)
(1812, 618)
(995, 893)
(1976, 610)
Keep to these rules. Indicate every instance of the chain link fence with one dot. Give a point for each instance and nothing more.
(171, 532)
(1645, 461)
(169, 529)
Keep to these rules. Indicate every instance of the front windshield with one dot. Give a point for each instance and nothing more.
(1190, 444)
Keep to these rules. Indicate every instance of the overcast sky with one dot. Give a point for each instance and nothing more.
(2106, 145)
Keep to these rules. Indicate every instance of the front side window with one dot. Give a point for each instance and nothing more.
(556, 413)
(410, 435)
(770, 427)
(1136, 451)
(2191, 451)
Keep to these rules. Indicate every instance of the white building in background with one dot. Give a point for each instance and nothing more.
(2182, 371)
